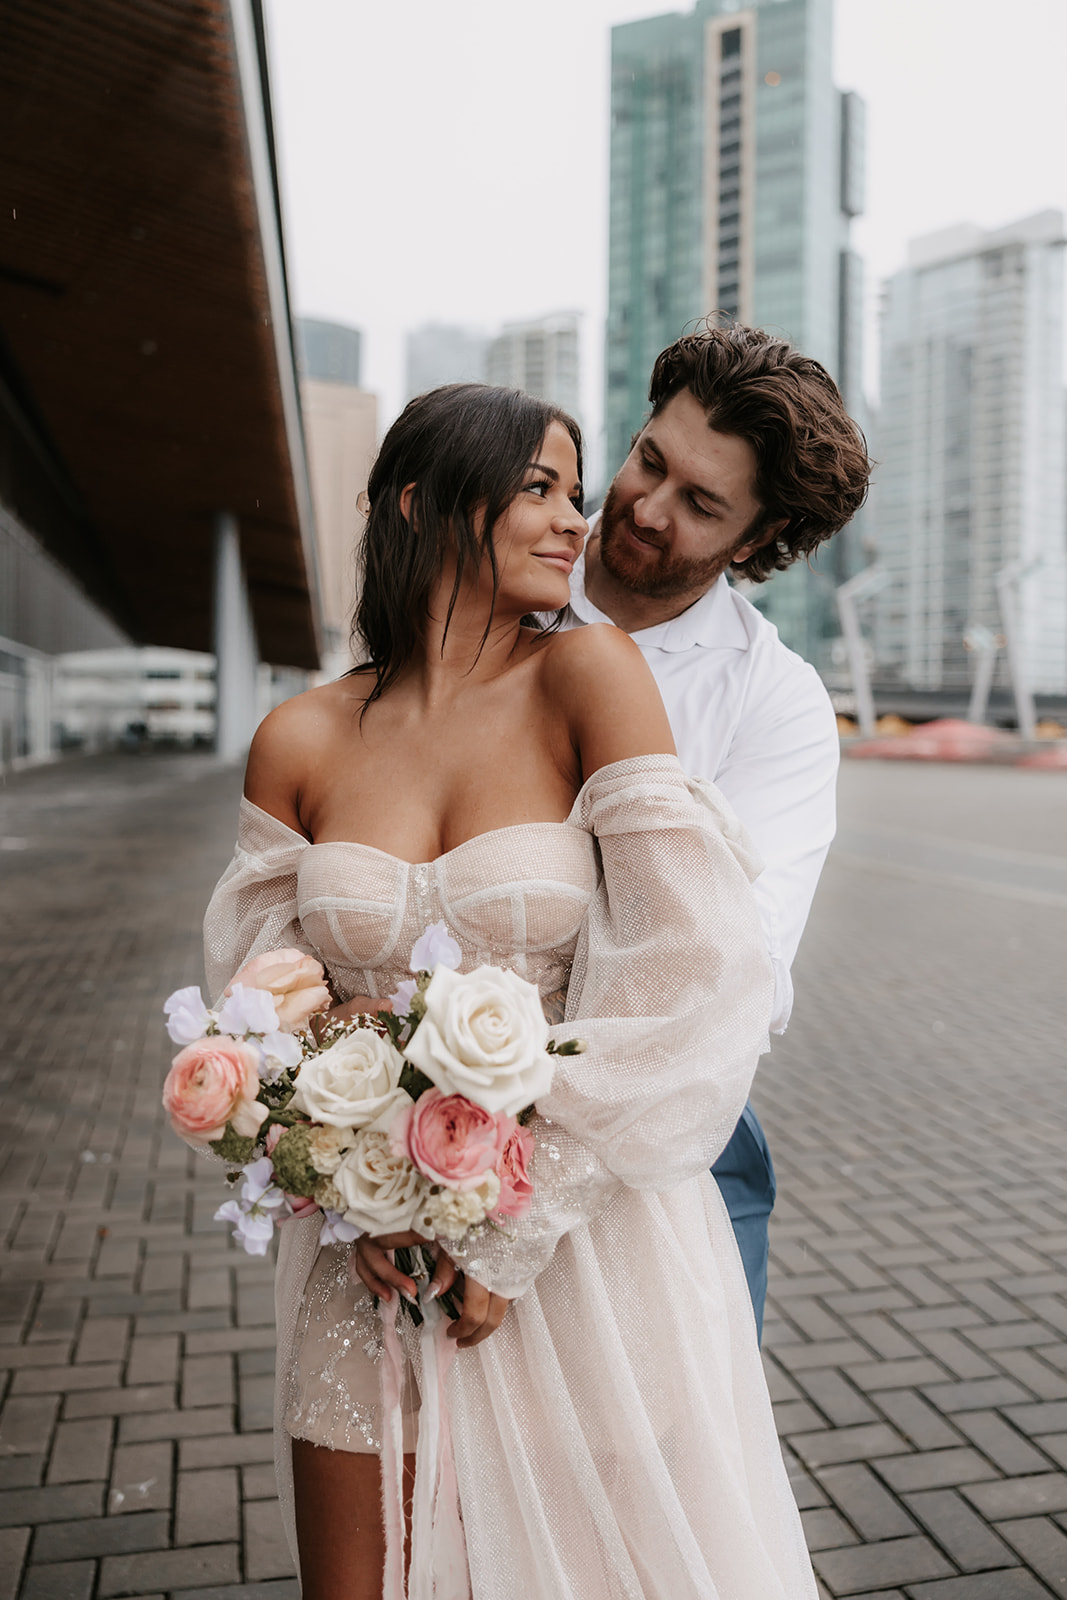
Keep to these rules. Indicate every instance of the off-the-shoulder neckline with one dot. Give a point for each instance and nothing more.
(613, 769)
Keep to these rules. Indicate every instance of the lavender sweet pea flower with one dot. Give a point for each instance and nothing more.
(405, 993)
(335, 1230)
(257, 1189)
(247, 1011)
(187, 1015)
(436, 948)
(253, 1231)
(253, 1215)
(277, 1052)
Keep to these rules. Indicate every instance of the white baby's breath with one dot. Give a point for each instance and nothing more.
(451, 1213)
(326, 1146)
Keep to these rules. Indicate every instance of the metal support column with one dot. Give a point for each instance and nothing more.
(985, 644)
(236, 653)
(861, 587)
(1009, 583)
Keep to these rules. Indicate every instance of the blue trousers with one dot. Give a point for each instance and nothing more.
(745, 1175)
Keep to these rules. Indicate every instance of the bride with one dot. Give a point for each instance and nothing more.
(611, 1428)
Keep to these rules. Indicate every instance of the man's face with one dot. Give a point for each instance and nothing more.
(681, 506)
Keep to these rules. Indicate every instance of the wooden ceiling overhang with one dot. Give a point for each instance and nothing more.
(144, 310)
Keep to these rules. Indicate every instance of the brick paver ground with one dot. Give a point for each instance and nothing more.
(917, 1337)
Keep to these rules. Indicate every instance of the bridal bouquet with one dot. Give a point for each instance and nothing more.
(413, 1119)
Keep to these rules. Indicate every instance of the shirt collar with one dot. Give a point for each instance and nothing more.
(712, 621)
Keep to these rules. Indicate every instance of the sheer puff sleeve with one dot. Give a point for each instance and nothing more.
(253, 908)
(672, 990)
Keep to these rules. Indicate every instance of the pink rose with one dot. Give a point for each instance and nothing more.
(516, 1190)
(295, 980)
(448, 1138)
(210, 1083)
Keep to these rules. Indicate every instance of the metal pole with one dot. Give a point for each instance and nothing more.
(235, 645)
(1008, 583)
(985, 644)
(861, 587)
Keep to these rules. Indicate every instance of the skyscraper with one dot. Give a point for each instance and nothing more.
(440, 352)
(736, 168)
(973, 453)
(341, 428)
(540, 357)
(329, 352)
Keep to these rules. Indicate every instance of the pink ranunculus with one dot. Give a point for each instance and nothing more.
(448, 1138)
(296, 981)
(516, 1190)
(274, 1133)
(210, 1083)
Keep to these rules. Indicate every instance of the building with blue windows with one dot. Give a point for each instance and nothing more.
(736, 170)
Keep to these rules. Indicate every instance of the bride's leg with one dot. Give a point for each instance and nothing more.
(339, 1521)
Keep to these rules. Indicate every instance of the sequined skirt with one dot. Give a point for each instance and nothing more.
(332, 1379)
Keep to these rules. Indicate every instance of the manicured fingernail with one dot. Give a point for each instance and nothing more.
(412, 1299)
(434, 1291)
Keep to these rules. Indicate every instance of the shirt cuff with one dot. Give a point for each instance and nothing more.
(782, 1005)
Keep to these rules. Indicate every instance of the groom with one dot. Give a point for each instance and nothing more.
(747, 463)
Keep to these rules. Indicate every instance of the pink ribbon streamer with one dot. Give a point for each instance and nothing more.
(438, 1549)
(392, 1381)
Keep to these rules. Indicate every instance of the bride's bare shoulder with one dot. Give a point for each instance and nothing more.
(295, 740)
(600, 680)
(584, 660)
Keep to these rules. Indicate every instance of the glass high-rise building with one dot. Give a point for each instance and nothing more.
(972, 454)
(540, 357)
(736, 168)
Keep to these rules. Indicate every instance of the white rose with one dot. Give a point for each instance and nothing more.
(350, 1084)
(381, 1190)
(483, 1036)
(451, 1212)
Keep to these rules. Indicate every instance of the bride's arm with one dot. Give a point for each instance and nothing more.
(671, 988)
(253, 908)
(285, 752)
(280, 778)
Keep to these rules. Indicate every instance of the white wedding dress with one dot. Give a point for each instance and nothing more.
(614, 1437)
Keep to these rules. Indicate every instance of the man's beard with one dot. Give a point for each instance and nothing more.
(656, 576)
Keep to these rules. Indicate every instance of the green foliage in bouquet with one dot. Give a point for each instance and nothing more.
(414, 1081)
(293, 1170)
(234, 1147)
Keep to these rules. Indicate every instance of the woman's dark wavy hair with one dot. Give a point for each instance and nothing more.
(812, 465)
(466, 448)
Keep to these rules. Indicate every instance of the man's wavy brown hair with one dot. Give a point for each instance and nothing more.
(812, 465)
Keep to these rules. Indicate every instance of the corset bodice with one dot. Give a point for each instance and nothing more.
(514, 897)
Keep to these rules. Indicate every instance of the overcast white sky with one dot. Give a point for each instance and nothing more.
(449, 162)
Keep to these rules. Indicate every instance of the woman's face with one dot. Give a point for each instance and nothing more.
(540, 536)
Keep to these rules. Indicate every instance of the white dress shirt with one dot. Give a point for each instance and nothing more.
(755, 719)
